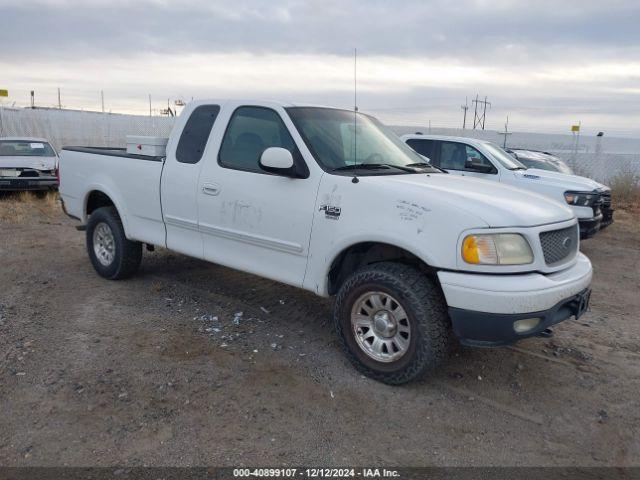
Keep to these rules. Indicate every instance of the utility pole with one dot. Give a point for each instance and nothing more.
(505, 133)
(465, 107)
(149, 104)
(479, 119)
(33, 99)
(59, 102)
(102, 98)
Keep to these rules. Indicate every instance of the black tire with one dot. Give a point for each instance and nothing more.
(127, 254)
(426, 311)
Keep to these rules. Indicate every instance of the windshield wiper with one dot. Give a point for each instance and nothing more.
(373, 166)
(518, 168)
(354, 166)
(426, 164)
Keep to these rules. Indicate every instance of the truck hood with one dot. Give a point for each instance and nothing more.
(561, 180)
(497, 205)
(35, 163)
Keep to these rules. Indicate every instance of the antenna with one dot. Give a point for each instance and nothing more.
(355, 80)
(355, 112)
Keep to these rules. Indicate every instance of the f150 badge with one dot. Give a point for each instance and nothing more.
(331, 212)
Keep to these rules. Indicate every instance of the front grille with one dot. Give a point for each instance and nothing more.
(557, 245)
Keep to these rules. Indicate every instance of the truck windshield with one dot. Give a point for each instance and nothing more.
(25, 148)
(503, 157)
(341, 140)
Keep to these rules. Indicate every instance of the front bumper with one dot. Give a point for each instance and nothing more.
(589, 226)
(28, 183)
(480, 329)
(483, 307)
(596, 216)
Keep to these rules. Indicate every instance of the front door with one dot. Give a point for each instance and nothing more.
(249, 219)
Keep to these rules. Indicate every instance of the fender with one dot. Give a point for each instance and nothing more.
(317, 278)
(115, 197)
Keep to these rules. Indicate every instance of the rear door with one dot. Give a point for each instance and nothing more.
(252, 220)
(179, 185)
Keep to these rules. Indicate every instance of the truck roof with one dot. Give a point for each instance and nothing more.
(420, 136)
(256, 102)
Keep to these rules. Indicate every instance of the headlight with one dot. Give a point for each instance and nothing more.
(497, 249)
(580, 199)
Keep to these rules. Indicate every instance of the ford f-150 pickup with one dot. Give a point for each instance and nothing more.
(331, 201)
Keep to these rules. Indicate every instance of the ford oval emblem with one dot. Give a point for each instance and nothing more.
(566, 242)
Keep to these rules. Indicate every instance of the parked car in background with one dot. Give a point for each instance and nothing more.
(27, 164)
(332, 202)
(589, 200)
(541, 160)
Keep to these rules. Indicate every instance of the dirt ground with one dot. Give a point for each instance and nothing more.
(163, 369)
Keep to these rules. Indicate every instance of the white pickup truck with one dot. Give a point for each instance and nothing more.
(330, 201)
(589, 200)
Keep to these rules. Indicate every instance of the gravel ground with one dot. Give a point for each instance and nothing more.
(190, 363)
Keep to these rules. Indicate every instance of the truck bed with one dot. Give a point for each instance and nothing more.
(131, 181)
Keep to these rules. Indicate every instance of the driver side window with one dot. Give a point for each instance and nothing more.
(250, 132)
(459, 156)
(476, 158)
(453, 155)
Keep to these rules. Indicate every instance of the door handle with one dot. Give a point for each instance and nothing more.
(210, 189)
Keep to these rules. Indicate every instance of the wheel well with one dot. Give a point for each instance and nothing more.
(96, 200)
(367, 253)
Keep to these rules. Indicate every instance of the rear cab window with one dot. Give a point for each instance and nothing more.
(195, 134)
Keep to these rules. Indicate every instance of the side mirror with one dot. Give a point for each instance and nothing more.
(278, 160)
(478, 167)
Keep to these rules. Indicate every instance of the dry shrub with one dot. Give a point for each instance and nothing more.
(21, 206)
(625, 191)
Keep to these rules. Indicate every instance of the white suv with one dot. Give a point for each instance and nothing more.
(589, 200)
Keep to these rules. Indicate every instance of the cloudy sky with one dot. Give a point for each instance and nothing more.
(546, 64)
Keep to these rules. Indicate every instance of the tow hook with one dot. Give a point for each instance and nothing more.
(546, 333)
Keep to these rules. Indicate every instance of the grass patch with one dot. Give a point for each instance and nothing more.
(20, 206)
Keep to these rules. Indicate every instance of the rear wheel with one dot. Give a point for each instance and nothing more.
(393, 322)
(112, 255)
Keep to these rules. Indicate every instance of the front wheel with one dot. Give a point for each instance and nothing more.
(393, 322)
(112, 255)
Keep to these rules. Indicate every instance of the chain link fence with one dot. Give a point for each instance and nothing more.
(79, 128)
(600, 158)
